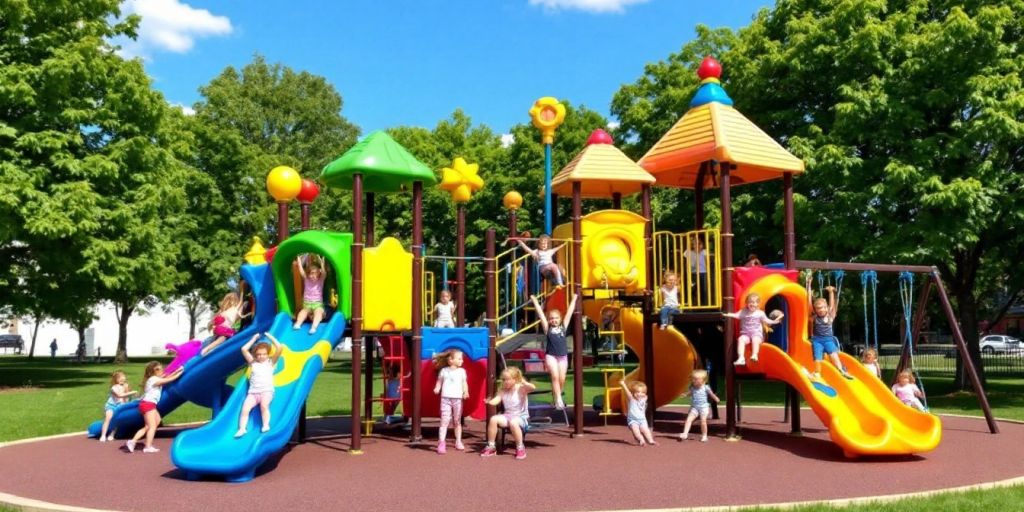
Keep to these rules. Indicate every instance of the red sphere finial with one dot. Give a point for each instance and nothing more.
(308, 192)
(599, 136)
(709, 68)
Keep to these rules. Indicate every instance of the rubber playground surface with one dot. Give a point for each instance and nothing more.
(600, 471)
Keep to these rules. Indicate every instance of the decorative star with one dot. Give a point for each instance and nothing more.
(461, 180)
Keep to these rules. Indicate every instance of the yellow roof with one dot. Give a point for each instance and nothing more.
(715, 131)
(602, 170)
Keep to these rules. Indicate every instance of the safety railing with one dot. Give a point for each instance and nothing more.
(694, 257)
(516, 279)
(428, 297)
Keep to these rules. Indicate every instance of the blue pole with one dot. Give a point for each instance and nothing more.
(547, 188)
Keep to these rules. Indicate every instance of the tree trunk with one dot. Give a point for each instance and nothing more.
(124, 312)
(194, 306)
(35, 332)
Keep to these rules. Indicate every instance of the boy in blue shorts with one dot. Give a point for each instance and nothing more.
(823, 341)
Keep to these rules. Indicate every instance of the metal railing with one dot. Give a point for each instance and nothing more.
(695, 258)
(516, 279)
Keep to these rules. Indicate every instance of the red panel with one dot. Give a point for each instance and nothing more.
(476, 374)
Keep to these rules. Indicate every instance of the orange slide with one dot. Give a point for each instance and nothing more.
(862, 415)
(674, 355)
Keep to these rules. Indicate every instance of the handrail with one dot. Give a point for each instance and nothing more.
(673, 253)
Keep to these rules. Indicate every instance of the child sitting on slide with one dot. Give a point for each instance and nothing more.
(230, 311)
(823, 341)
(261, 380)
(313, 273)
(752, 322)
(545, 256)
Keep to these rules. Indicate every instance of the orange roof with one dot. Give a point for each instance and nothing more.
(603, 170)
(715, 131)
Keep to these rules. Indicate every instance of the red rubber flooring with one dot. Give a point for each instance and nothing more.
(599, 471)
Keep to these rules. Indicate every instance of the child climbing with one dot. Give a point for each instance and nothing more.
(545, 256)
(313, 273)
(453, 387)
(907, 391)
(392, 392)
(752, 322)
(152, 386)
(228, 312)
(514, 397)
(556, 356)
(823, 341)
(870, 360)
(636, 412)
(669, 298)
(444, 311)
(700, 407)
(119, 393)
(261, 380)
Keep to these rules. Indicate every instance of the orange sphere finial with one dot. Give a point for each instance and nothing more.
(512, 200)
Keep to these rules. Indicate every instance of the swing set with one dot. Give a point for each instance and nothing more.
(832, 273)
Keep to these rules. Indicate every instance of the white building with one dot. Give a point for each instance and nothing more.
(147, 333)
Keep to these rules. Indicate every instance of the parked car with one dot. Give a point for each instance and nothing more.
(1000, 344)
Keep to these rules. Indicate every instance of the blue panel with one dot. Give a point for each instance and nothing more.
(470, 340)
(781, 266)
(829, 391)
(710, 93)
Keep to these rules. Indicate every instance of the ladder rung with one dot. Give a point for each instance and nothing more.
(602, 333)
(394, 358)
(611, 352)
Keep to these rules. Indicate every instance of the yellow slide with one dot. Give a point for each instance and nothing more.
(674, 356)
(862, 415)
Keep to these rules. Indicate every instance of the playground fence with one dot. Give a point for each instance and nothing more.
(942, 359)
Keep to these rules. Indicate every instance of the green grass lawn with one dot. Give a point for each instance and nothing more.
(45, 397)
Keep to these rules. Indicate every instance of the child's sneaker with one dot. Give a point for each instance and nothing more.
(130, 445)
(240, 433)
(459, 446)
(740, 362)
(110, 437)
(816, 377)
(663, 327)
(704, 439)
(520, 453)
(490, 451)
(150, 449)
(103, 439)
(753, 359)
(266, 428)
(684, 437)
(441, 449)
(312, 330)
(559, 404)
(847, 375)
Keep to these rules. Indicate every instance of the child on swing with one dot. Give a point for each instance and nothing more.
(870, 361)
(906, 390)
(823, 341)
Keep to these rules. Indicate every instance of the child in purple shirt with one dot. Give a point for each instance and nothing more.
(752, 322)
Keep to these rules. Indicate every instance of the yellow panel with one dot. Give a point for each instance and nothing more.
(613, 250)
(387, 287)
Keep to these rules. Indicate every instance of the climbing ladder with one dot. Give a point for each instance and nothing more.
(394, 355)
(617, 351)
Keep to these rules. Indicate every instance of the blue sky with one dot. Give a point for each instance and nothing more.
(415, 62)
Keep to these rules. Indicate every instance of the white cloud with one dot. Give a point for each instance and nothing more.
(612, 125)
(507, 139)
(596, 6)
(187, 110)
(170, 25)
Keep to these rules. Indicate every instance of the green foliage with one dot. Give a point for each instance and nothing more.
(88, 172)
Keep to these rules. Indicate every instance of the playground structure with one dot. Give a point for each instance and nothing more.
(614, 261)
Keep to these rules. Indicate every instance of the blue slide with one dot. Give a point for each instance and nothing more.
(213, 450)
(203, 381)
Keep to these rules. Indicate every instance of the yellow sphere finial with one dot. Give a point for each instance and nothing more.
(283, 183)
(461, 180)
(512, 200)
(547, 115)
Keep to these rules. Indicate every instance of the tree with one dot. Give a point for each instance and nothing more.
(247, 122)
(909, 117)
(89, 187)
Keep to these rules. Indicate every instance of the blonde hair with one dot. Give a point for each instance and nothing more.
(700, 374)
(637, 386)
(514, 373)
(442, 359)
(820, 301)
(869, 352)
(117, 374)
(753, 296)
(447, 293)
(313, 264)
(150, 371)
(908, 374)
(230, 300)
(667, 274)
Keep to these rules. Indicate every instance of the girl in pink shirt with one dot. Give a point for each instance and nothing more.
(907, 391)
(752, 322)
(313, 273)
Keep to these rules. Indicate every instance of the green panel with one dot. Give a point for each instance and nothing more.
(335, 247)
(385, 165)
